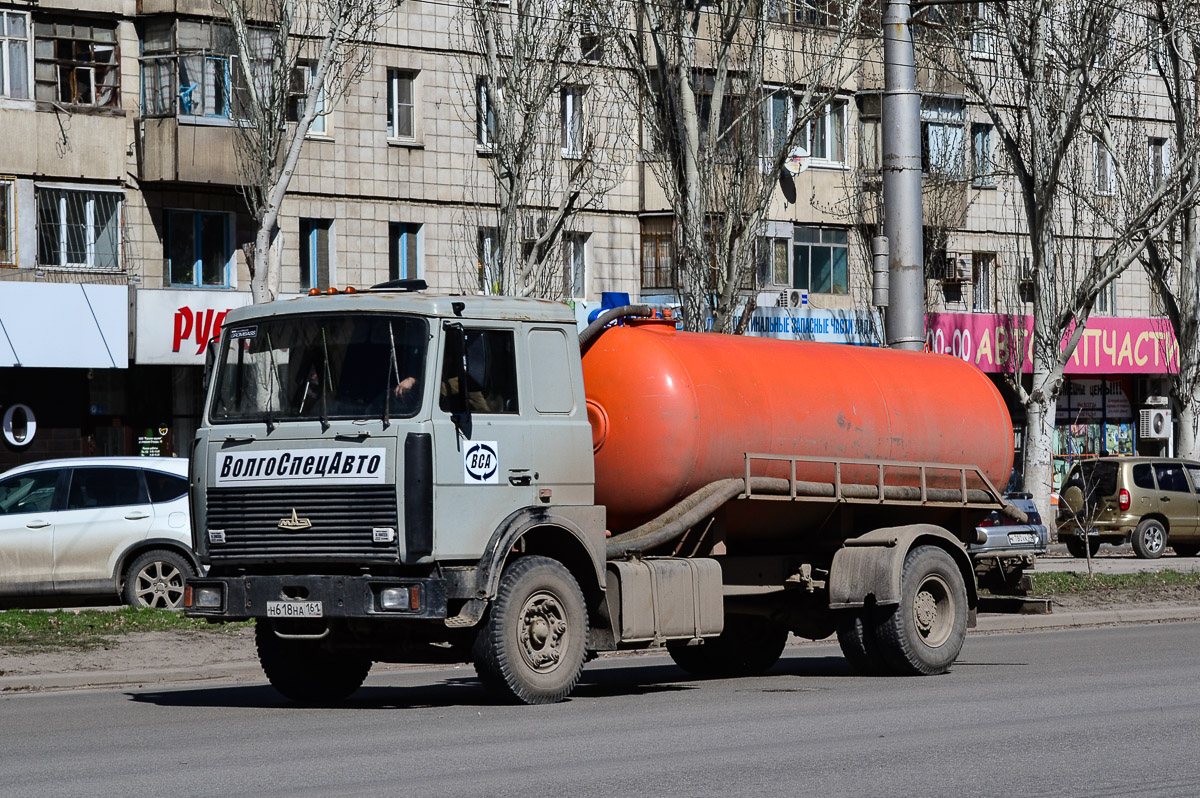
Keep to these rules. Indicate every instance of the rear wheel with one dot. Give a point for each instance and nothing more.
(1186, 549)
(749, 646)
(532, 647)
(155, 579)
(1149, 539)
(856, 636)
(1075, 545)
(304, 671)
(926, 631)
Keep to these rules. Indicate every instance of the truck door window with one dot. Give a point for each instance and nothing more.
(491, 374)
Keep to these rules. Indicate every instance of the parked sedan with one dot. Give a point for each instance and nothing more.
(99, 526)
(1008, 548)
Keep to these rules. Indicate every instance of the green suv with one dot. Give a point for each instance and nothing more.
(1150, 501)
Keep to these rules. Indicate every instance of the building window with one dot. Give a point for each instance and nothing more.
(983, 30)
(819, 260)
(198, 248)
(817, 13)
(658, 253)
(983, 269)
(574, 121)
(302, 77)
(773, 266)
(79, 229)
(8, 221)
(76, 64)
(14, 55)
(488, 259)
(982, 166)
(575, 265)
(403, 251)
(1104, 176)
(401, 108)
(1106, 300)
(189, 68)
(591, 43)
(776, 123)
(1160, 163)
(485, 120)
(943, 128)
(314, 253)
(870, 127)
(825, 137)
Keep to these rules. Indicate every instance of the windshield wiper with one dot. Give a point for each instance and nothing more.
(393, 368)
(270, 419)
(328, 382)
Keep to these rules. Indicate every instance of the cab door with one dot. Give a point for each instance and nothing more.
(27, 503)
(1175, 498)
(107, 511)
(482, 461)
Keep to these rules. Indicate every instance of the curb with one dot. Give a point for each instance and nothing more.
(242, 671)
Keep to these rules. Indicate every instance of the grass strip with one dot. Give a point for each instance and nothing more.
(40, 630)
(1052, 583)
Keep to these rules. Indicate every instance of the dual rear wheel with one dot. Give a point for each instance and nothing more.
(924, 633)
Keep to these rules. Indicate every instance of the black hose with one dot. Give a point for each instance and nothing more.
(593, 330)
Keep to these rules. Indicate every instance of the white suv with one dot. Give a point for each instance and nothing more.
(96, 526)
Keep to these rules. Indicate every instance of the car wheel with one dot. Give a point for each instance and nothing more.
(1149, 539)
(1186, 549)
(305, 672)
(856, 636)
(155, 579)
(749, 646)
(1075, 545)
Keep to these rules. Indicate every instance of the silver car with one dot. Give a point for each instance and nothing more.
(96, 527)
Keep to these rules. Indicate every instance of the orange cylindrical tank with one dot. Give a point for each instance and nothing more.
(673, 411)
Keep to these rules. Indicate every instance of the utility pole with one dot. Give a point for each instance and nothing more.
(902, 214)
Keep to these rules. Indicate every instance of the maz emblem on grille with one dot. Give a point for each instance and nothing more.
(294, 523)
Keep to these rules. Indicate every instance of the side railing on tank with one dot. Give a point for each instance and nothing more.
(877, 491)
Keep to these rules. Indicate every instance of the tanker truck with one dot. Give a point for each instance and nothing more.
(391, 475)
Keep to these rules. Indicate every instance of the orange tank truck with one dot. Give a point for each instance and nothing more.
(673, 411)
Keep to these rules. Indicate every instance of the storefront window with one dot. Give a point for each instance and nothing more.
(1094, 418)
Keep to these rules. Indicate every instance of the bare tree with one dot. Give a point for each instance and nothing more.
(551, 127)
(295, 60)
(1052, 71)
(728, 92)
(1172, 260)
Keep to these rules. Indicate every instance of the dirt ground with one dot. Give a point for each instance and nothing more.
(180, 650)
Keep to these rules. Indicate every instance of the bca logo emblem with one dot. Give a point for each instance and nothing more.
(481, 463)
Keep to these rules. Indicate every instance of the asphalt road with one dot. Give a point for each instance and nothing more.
(1084, 712)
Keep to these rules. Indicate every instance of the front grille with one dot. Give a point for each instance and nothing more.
(342, 521)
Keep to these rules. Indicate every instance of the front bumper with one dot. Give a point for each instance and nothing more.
(243, 597)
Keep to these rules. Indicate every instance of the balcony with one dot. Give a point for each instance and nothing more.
(172, 150)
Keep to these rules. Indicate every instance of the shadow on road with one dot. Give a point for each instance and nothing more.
(604, 680)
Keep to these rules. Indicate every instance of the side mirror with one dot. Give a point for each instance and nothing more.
(210, 358)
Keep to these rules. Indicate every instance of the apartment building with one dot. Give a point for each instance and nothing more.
(122, 226)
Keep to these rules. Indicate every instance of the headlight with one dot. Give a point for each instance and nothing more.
(400, 598)
(206, 598)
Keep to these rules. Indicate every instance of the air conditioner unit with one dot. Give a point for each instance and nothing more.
(1157, 401)
(956, 267)
(768, 299)
(1155, 424)
(791, 298)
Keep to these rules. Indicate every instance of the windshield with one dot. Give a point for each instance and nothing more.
(331, 366)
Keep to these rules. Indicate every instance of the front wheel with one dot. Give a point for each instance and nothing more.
(155, 579)
(925, 632)
(856, 636)
(305, 672)
(533, 645)
(1149, 539)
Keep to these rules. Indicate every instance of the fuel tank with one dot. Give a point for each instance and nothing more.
(673, 411)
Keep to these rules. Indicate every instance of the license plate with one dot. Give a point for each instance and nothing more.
(294, 609)
(1017, 538)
